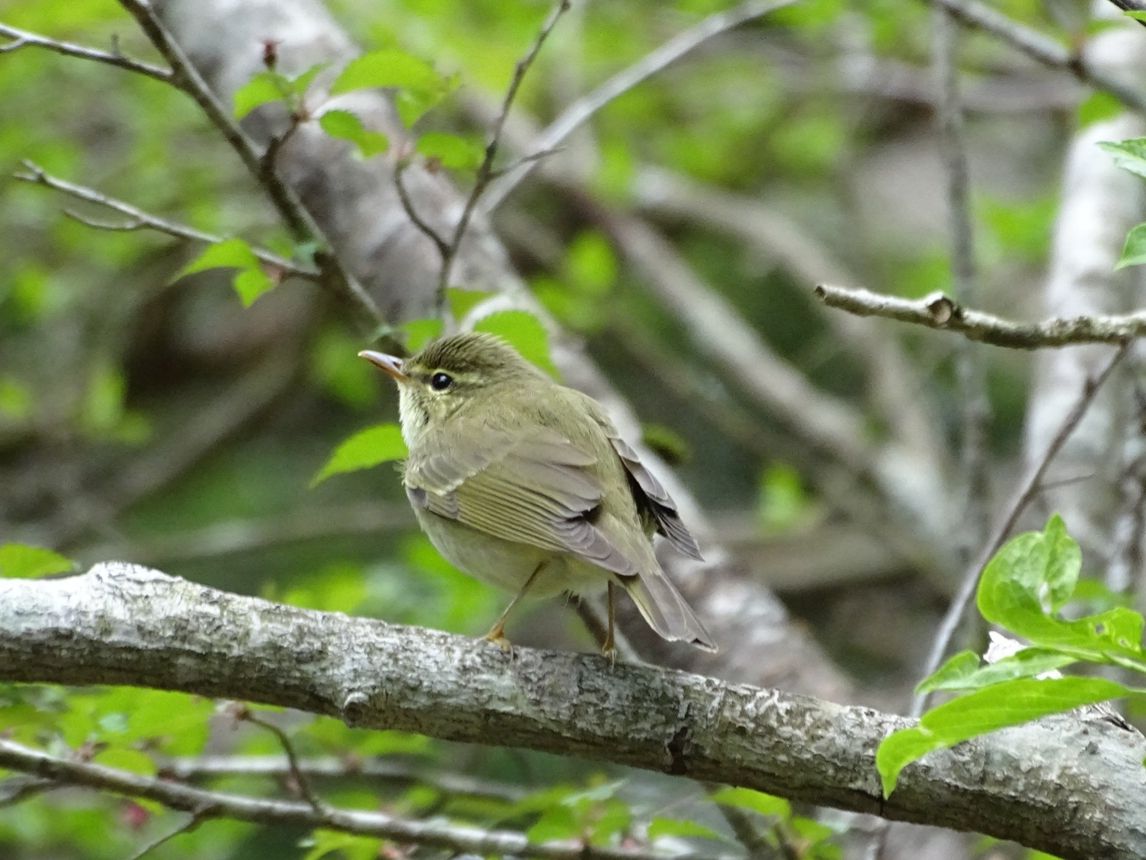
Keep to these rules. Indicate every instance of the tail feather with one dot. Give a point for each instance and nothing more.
(666, 610)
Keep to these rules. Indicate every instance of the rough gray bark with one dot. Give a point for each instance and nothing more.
(356, 204)
(1070, 787)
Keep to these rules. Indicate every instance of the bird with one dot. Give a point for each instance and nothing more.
(526, 484)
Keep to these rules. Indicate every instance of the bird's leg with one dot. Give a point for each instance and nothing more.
(609, 646)
(497, 632)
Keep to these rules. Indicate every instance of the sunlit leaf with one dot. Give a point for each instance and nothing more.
(756, 801)
(366, 448)
(387, 68)
(263, 88)
(249, 282)
(963, 672)
(1007, 704)
(461, 301)
(344, 125)
(1128, 154)
(1134, 251)
(19, 560)
(591, 264)
(524, 332)
(451, 150)
(680, 827)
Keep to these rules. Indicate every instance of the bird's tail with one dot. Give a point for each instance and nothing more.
(665, 609)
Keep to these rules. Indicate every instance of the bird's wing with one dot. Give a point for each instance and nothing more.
(535, 489)
(656, 499)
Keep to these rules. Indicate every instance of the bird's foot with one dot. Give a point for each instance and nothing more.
(496, 635)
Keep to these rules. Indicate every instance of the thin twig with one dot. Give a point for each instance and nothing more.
(1028, 488)
(412, 213)
(193, 821)
(301, 782)
(19, 788)
(284, 198)
(486, 171)
(972, 382)
(382, 769)
(1041, 48)
(941, 312)
(143, 220)
(210, 804)
(24, 39)
(574, 116)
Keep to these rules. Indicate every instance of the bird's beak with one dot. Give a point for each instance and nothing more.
(389, 364)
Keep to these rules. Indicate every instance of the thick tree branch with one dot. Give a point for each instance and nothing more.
(122, 624)
(939, 311)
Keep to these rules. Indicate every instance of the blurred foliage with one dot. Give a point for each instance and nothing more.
(110, 357)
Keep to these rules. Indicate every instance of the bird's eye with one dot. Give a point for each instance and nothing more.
(441, 381)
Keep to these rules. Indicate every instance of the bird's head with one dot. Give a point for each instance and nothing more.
(462, 370)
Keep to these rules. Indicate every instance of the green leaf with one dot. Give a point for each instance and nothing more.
(1098, 106)
(661, 827)
(15, 398)
(1128, 154)
(270, 86)
(1034, 574)
(1064, 561)
(133, 761)
(1134, 251)
(249, 282)
(755, 801)
(451, 150)
(341, 373)
(386, 68)
(963, 672)
(1008, 704)
(463, 301)
(524, 332)
(19, 560)
(366, 448)
(229, 254)
(348, 846)
(421, 332)
(344, 125)
(591, 265)
(1136, 14)
(263, 88)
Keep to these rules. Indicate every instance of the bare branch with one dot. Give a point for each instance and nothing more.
(142, 220)
(124, 624)
(412, 213)
(939, 311)
(486, 171)
(1041, 48)
(385, 769)
(655, 61)
(284, 198)
(297, 776)
(24, 39)
(203, 805)
(1028, 488)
